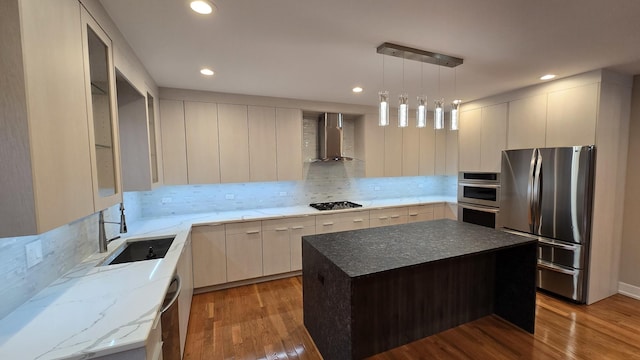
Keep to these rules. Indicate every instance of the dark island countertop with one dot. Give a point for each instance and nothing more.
(368, 251)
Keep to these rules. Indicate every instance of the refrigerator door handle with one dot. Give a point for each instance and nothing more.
(537, 192)
(530, 192)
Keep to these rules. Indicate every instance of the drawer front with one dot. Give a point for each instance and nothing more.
(420, 209)
(564, 282)
(416, 217)
(248, 227)
(565, 254)
(291, 223)
(344, 216)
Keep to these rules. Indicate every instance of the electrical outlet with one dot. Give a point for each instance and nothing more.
(34, 253)
(229, 196)
(166, 200)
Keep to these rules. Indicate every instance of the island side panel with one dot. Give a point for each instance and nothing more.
(516, 285)
(326, 301)
(396, 307)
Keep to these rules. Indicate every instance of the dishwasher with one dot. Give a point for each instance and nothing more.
(170, 321)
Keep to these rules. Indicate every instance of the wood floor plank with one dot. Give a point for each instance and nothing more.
(264, 321)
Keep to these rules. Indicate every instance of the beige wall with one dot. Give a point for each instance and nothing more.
(630, 258)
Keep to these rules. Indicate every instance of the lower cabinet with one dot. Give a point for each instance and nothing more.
(185, 271)
(418, 213)
(282, 243)
(209, 255)
(388, 216)
(244, 250)
(343, 221)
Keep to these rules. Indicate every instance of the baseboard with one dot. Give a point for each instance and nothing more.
(629, 290)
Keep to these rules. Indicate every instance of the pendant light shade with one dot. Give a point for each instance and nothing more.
(383, 119)
(421, 112)
(455, 105)
(438, 114)
(403, 110)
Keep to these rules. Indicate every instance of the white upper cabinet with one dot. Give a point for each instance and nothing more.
(234, 143)
(410, 151)
(174, 144)
(469, 140)
(427, 151)
(201, 128)
(571, 116)
(527, 122)
(102, 113)
(392, 151)
(493, 136)
(44, 130)
(289, 144)
(262, 143)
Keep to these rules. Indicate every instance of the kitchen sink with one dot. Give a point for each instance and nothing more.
(140, 250)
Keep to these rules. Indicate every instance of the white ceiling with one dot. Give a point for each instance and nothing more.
(321, 49)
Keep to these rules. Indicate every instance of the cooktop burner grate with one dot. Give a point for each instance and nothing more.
(335, 205)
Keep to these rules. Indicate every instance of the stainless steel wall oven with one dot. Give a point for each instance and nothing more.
(479, 198)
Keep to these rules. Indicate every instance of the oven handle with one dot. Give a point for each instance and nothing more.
(479, 208)
(487, 186)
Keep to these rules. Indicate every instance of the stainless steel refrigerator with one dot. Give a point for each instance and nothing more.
(547, 193)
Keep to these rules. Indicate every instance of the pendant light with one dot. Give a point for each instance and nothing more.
(403, 104)
(455, 105)
(438, 111)
(421, 109)
(383, 101)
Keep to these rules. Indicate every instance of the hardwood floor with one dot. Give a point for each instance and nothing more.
(264, 321)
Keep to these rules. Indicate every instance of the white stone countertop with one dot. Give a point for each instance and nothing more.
(94, 310)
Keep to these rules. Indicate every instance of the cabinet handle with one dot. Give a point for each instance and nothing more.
(250, 232)
(296, 227)
(395, 216)
(413, 214)
(380, 217)
(357, 220)
(327, 223)
(282, 229)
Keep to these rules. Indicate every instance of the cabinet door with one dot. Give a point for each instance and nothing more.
(527, 122)
(469, 140)
(392, 151)
(438, 211)
(418, 213)
(209, 255)
(174, 145)
(571, 116)
(276, 251)
(289, 144)
(234, 143)
(298, 229)
(102, 114)
(262, 143)
(493, 136)
(410, 151)
(155, 156)
(427, 151)
(201, 128)
(244, 250)
(374, 155)
(185, 271)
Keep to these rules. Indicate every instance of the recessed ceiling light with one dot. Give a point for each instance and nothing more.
(357, 89)
(202, 7)
(206, 71)
(547, 77)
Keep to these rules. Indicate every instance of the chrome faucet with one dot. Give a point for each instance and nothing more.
(102, 235)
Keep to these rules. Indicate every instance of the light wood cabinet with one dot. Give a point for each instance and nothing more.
(527, 122)
(289, 144)
(416, 213)
(469, 140)
(493, 136)
(43, 121)
(388, 216)
(342, 221)
(427, 151)
(174, 145)
(298, 228)
(209, 255)
(571, 116)
(262, 143)
(184, 269)
(392, 151)
(234, 143)
(410, 151)
(438, 211)
(373, 149)
(244, 250)
(282, 243)
(201, 132)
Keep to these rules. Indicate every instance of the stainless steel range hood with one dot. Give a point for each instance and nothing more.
(330, 137)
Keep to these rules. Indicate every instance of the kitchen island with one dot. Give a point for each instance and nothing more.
(370, 290)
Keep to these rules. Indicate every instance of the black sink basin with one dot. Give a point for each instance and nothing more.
(140, 250)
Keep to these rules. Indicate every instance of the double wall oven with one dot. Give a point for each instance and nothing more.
(479, 198)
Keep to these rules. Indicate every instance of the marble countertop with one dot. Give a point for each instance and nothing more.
(367, 251)
(94, 310)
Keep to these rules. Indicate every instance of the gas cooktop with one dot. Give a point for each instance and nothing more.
(336, 205)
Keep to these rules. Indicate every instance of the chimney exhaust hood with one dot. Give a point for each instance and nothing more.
(330, 137)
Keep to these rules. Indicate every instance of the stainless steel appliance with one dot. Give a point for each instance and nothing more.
(547, 194)
(479, 198)
(335, 205)
(171, 321)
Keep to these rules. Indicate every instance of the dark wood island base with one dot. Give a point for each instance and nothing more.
(368, 291)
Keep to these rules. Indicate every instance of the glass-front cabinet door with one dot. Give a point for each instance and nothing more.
(101, 114)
